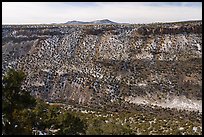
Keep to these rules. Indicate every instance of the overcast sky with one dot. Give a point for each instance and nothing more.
(122, 12)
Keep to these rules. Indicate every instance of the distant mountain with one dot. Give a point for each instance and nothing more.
(104, 21)
(76, 22)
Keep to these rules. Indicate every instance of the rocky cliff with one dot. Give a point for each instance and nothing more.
(159, 64)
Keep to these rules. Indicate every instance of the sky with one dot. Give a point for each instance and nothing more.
(121, 12)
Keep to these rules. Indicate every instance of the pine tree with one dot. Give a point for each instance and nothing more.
(14, 101)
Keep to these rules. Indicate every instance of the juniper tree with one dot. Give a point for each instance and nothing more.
(14, 101)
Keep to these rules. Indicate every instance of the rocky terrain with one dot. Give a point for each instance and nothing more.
(98, 65)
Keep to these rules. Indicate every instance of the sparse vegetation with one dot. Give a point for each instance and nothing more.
(24, 115)
(120, 79)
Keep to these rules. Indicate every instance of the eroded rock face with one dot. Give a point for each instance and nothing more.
(100, 64)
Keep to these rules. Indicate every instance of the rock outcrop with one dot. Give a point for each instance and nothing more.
(100, 64)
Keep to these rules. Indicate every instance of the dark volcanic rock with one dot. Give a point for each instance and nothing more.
(100, 64)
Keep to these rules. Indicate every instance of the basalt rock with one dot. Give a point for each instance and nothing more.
(100, 64)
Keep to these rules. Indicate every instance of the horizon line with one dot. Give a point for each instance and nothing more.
(102, 24)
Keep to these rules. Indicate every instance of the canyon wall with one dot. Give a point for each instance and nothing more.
(101, 64)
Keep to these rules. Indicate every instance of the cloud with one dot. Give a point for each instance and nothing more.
(127, 12)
